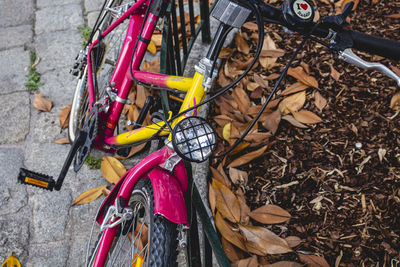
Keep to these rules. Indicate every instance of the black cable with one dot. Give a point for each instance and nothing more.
(307, 36)
(97, 23)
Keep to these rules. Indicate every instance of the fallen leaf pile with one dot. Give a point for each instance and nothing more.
(319, 155)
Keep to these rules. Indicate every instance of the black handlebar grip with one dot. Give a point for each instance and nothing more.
(375, 45)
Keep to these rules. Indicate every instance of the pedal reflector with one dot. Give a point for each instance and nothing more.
(36, 179)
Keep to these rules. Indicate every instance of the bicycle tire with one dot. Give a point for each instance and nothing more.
(162, 248)
(110, 44)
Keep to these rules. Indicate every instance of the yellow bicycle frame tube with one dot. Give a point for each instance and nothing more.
(194, 96)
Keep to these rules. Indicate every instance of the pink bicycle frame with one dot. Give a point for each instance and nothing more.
(169, 188)
(121, 76)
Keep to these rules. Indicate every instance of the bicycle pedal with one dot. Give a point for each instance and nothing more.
(36, 179)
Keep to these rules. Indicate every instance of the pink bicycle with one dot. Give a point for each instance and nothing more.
(145, 214)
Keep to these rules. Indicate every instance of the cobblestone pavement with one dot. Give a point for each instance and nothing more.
(41, 228)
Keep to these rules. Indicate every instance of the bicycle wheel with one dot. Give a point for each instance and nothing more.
(104, 58)
(146, 240)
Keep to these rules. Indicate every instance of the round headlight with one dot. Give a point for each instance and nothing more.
(194, 139)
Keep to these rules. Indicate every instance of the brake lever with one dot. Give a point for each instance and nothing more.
(340, 19)
(348, 56)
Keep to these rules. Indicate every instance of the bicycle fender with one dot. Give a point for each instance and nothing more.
(169, 200)
(171, 192)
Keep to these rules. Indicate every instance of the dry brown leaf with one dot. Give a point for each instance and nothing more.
(262, 241)
(268, 45)
(241, 44)
(320, 101)
(220, 177)
(89, 195)
(294, 122)
(272, 121)
(272, 53)
(244, 208)
(112, 169)
(260, 81)
(211, 198)
(293, 241)
(246, 158)
(270, 214)
(64, 116)
(305, 116)
(252, 86)
(226, 52)
(222, 120)
(63, 140)
(226, 231)
(105, 192)
(41, 103)
(231, 252)
(294, 88)
(301, 76)
(292, 103)
(240, 147)
(249, 262)
(283, 264)
(152, 48)
(313, 261)
(395, 102)
(393, 16)
(305, 66)
(257, 138)
(250, 26)
(153, 66)
(238, 176)
(142, 94)
(226, 202)
(272, 76)
(334, 73)
(157, 39)
(242, 99)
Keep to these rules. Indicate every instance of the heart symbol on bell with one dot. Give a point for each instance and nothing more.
(304, 6)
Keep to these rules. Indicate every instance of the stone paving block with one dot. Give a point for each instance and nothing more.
(93, 5)
(13, 196)
(77, 254)
(46, 127)
(47, 3)
(13, 70)
(59, 86)
(91, 18)
(14, 236)
(57, 50)
(16, 12)
(15, 125)
(82, 215)
(49, 215)
(15, 36)
(48, 255)
(50, 19)
(47, 158)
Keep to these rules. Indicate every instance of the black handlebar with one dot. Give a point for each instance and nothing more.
(348, 38)
(375, 45)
